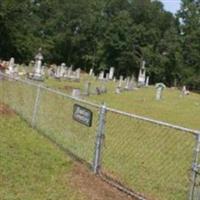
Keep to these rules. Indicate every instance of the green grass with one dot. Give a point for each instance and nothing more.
(150, 159)
(30, 166)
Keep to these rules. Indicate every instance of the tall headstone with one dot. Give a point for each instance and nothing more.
(142, 74)
(87, 88)
(62, 69)
(78, 74)
(69, 71)
(37, 74)
(120, 81)
(107, 76)
(147, 81)
(91, 72)
(11, 66)
(159, 90)
(127, 84)
(111, 73)
(101, 75)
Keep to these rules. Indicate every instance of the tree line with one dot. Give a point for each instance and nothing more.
(100, 34)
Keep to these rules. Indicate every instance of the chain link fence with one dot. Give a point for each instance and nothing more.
(147, 159)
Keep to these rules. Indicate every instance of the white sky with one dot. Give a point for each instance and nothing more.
(171, 5)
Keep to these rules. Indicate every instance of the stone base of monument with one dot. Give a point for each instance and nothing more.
(36, 77)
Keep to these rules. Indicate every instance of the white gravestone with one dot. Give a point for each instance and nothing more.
(76, 93)
(159, 90)
(120, 81)
(111, 73)
(147, 81)
(185, 91)
(78, 73)
(91, 72)
(38, 64)
(11, 66)
(118, 90)
(62, 69)
(101, 75)
(142, 74)
(127, 84)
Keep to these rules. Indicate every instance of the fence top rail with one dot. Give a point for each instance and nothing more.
(180, 128)
(29, 82)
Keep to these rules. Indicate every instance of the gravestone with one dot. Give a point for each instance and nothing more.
(185, 91)
(69, 71)
(91, 72)
(111, 73)
(118, 90)
(159, 90)
(87, 88)
(78, 73)
(63, 69)
(147, 81)
(120, 81)
(37, 73)
(107, 76)
(101, 75)
(58, 72)
(76, 93)
(11, 66)
(127, 84)
(142, 74)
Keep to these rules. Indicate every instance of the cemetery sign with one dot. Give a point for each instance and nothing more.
(82, 115)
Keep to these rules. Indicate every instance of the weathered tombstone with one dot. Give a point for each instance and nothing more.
(62, 69)
(101, 75)
(111, 73)
(147, 81)
(159, 90)
(76, 93)
(37, 74)
(58, 72)
(11, 66)
(91, 72)
(142, 74)
(87, 88)
(127, 85)
(185, 91)
(118, 90)
(120, 81)
(69, 71)
(107, 76)
(78, 73)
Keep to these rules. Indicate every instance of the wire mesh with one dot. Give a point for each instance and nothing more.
(19, 96)
(53, 116)
(152, 160)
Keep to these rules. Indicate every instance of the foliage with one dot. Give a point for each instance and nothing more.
(101, 34)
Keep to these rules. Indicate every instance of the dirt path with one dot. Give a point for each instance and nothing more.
(93, 187)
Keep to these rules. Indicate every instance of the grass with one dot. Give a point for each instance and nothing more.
(150, 159)
(31, 167)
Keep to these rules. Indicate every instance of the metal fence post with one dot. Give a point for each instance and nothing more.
(99, 140)
(36, 105)
(193, 195)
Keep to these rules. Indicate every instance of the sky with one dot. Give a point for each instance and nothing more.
(171, 5)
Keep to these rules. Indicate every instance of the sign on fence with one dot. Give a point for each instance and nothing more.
(82, 115)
